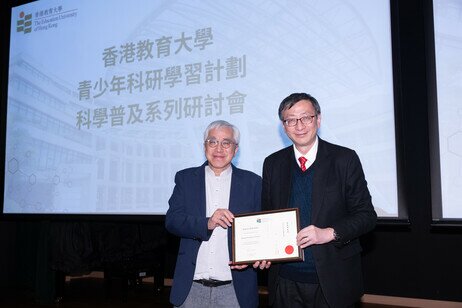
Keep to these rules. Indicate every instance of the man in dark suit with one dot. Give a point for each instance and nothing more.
(326, 182)
(201, 210)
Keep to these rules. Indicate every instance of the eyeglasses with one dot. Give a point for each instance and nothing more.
(225, 144)
(305, 120)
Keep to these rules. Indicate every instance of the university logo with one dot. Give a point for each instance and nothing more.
(24, 23)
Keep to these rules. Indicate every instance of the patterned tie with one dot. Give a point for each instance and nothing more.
(302, 163)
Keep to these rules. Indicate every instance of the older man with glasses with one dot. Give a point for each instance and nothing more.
(202, 208)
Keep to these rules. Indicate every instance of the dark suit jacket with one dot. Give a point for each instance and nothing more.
(341, 200)
(186, 219)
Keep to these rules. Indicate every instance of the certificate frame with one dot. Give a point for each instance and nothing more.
(266, 235)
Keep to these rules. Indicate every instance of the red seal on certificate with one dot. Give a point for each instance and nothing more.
(289, 249)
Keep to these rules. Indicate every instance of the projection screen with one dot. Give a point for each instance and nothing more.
(447, 181)
(107, 100)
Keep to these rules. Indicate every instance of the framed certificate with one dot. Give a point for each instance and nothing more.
(269, 235)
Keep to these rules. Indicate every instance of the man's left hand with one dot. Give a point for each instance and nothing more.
(258, 264)
(313, 235)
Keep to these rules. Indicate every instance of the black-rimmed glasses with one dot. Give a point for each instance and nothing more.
(308, 119)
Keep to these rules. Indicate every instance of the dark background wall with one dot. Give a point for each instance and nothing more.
(419, 260)
(408, 260)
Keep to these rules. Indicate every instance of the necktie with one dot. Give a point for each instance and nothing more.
(302, 163)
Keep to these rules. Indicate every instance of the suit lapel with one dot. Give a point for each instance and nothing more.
(200, 175)
(286, 177)
(321, 172)
(234, 202)
(234, 192)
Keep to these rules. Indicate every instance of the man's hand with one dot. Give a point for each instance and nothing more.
(222, 218)
(313, 235)
(237, 267)
(261, 264)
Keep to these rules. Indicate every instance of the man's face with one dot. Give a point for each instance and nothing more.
(302, 135)
(218, 157)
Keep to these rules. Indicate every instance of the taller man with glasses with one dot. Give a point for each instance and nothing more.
(326, 182)
(201, 210)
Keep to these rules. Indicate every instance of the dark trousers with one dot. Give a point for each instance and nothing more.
(298, 294)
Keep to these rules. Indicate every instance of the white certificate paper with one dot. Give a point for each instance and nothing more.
(269, 235)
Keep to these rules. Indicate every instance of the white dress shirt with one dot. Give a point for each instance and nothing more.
(213, 256)
(310, 156)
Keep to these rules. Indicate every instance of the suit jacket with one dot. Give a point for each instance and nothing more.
(186, 218)
(341, 200)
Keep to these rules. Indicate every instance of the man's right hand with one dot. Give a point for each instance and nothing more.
(222, 218)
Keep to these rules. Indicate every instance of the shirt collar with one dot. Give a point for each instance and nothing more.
(227, 172)
(311, 155)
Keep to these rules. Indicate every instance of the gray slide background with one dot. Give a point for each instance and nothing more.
(338, 51)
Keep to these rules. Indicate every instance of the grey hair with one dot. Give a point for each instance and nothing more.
(220, 124)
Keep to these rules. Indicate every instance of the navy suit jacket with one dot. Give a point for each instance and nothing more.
(186, 218)
(341, 200)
